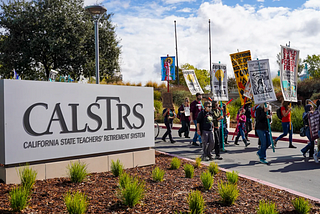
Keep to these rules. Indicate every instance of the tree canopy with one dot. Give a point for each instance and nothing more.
(313, 63)
(40, 35)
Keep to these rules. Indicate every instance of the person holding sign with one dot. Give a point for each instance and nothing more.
(310, 147)
(168, 115)
(262, 129)
(286, 120)
(241, 118)
(184, 112)
(195, 108)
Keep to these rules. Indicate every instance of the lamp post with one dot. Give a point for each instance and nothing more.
(96, 12)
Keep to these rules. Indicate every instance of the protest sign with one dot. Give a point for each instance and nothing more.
(289, 62)
(192, 82)
(261, 82)
(219, 82)
(240, 68)
(314, 124)
(167, 100)
(247, 90)
(168, 68)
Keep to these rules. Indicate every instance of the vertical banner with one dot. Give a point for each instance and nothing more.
(168, 68)
(240, 68)
(261, 82)
(192, 82)
(219, 82)
(248, 90)
(289, 62)
(314, 124)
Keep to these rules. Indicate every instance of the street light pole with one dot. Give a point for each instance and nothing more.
(97, 12)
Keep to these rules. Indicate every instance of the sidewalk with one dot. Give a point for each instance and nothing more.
(295, 137)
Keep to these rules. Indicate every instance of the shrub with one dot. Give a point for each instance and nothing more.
(207, 180)
(315, 96)
(232, 177)
(76, 203)
(233, 107)
(18, 199)
(188, 170)
(178, 96)
(228, 192)
(175, 163)
(213, 168)
(301, 205)
(27, 177)
(77, 172)
(133, 193)
(116, 168)
(196, 202)
(157, 174)
(198, 162)
(266, 208)
(124, 179)
(157, 95)
(296, 118)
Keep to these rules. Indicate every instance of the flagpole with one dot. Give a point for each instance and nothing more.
(175, 31)
(210, 66)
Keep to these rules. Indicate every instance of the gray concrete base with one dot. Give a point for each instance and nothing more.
(94, 164)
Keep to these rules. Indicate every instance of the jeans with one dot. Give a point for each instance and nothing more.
(216, 142)
(264, 136)
(310, 146)
(241, 132)
(185, 127)
(168, 132)
(285, 128)
(208, 143)
(196, 136)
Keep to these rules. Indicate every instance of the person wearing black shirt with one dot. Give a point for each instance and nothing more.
(168, 115)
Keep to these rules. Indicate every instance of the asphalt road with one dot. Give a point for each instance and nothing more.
(287, 167)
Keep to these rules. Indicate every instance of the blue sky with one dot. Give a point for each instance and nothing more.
(146, 31)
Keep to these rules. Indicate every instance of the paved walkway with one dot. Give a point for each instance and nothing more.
(287, 169)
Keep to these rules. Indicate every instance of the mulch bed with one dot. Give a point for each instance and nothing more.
(169, 196)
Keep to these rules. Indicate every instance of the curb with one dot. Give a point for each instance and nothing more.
(254, 179)
(250, 135)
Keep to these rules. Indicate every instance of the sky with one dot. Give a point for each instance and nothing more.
(146, 32)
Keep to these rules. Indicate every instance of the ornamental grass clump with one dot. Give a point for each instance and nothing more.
(196, 202)
(213, 168)
(198, 162)
(124, 179)
(207, 180)
(77, 172)
(116, 168)
(266, 208)
(27, 177)
(133, 192)
(175, 163)
(157, 174)
(18, 198)
(232, 177)
(301, 205)
(189, 170)
(76, 203)
(228, 192)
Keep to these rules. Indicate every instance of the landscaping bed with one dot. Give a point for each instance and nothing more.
(168, 196)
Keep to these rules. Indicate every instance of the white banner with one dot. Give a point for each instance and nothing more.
(49, 120)
(289, 62)
(192, 82)
(219, 82)
(261, 82)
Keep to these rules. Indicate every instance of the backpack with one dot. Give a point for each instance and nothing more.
(253, 111)
(279, 114)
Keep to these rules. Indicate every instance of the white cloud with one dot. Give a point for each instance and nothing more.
(176, 1)
(312, 4)
(147, 36)
(260, 0)
(185, 10)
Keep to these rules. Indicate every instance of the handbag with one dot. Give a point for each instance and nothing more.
(302, 132)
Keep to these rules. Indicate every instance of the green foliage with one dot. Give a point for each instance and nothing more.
(234, 107)
(213, 168)
(315, 96)
(267, 208)
(124, 179)
(157, 95)
(116, 168)
(77, 172)
(157, 174)
(175, 163)
(158, 107)
(188, 170)
(76, 203)
(228, 192)
(207, 180)
(296, 119)
(232, 83)
(198, 162)
(308, 87)
(27, 177)
(196, 202)
(19, 198)
(313, 65)
(232, 177)
(301, 205)
(133, 193)
(276, 84)
(179, 95)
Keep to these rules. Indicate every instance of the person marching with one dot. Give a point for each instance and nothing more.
(168, 115)
(225, 130)
(310, 146)
(195, 108)
(204, 129)
(316, 155)
(184, 111)
(241, 118)
(263, 132)
(248, 120)
(216, 114)
(286, 120)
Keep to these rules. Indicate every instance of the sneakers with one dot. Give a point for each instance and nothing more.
(275, 143)
(315, 157)
(247, 144)
(259, 146)
(194, 144)
(187, 137)
(263, 161)
(236, 142)
(203, 158)
(173, 141)
(218, 157)
(292, 146)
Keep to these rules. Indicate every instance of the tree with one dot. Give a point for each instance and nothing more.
(313, 63)
(40, 35)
